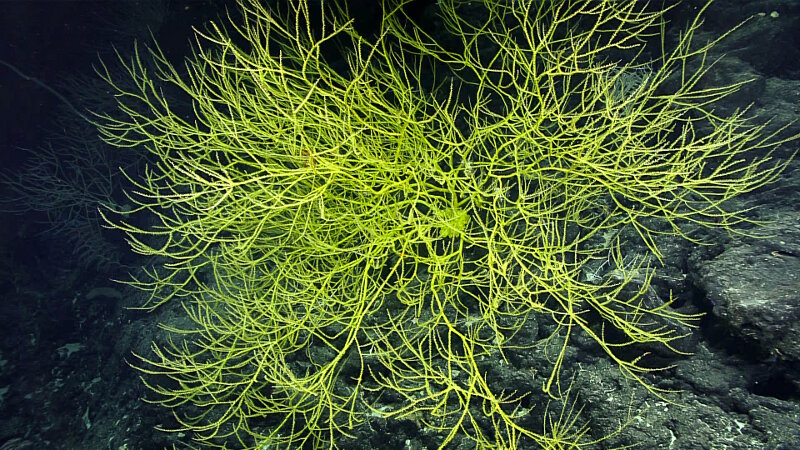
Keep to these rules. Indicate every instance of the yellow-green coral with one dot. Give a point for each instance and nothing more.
(351, 238)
